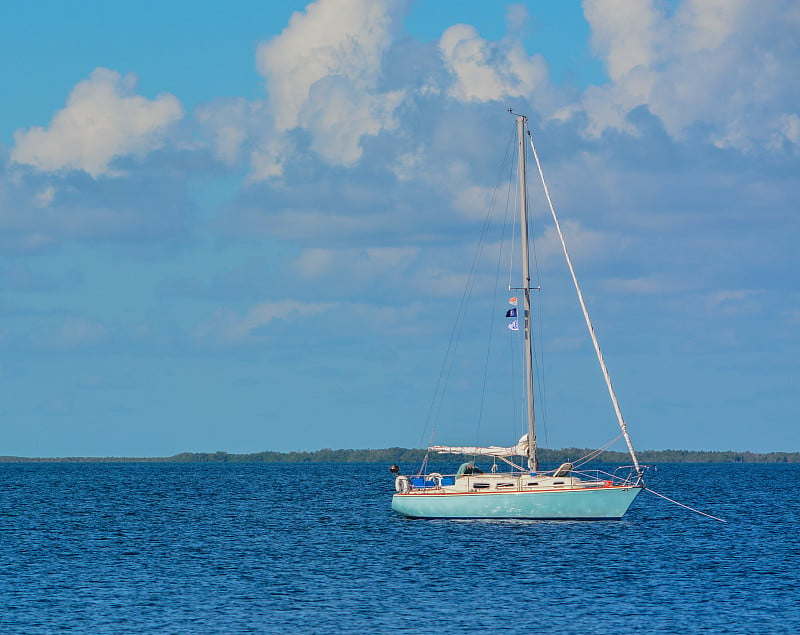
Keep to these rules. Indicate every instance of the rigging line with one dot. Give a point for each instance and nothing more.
(513, 383)
(697, 511)
(492, 321)
(444, 371)
(595, 453)
(511, 340)
(514, 180)
(455, 335)
(493, 312)
(424, 466)
(542, 383)
(513, 232)
(538, 343)
(458, 325)
(440, 390)
(623, 426)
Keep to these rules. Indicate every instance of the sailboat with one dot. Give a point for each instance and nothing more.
(521, 490)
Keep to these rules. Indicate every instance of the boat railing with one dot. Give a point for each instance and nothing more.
(630, 474)
(434, 480)
(623, 475)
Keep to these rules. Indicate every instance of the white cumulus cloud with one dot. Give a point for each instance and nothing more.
(323, 72)
(485, 71)
(103, 119)
(721, 65)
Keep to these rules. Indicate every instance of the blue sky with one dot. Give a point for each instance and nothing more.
(247, 228)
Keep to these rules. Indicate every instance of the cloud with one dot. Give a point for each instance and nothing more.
(625, 44)
(268, 158)
(372, 263)
(39, 211)
(45, 196)
(242, 129)
(323, 74)
(226, 327)
(485, 71)
(231, 124)
(72, 334)
(307, 226)
(714, 67)
(339, 114)
(328, 39)
(103, 120)
(585, 245)
(332, 324)
(635, 286)
(733, 302)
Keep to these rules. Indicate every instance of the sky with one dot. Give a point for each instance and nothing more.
(247, 227)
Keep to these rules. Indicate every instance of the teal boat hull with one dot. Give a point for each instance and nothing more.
(607, 503)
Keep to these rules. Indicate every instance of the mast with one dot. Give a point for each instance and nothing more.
(533, 464)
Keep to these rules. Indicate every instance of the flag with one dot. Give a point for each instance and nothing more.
(512, 300)
(513, 326)
(512, 312)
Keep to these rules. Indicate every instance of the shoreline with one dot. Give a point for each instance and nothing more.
(395, 455)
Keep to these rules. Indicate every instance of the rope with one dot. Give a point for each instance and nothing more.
(493, 313)
(595, 453)
(600, 359)
(438, 398)
(696, 511)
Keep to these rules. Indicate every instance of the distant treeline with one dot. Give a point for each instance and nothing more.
(406, 455)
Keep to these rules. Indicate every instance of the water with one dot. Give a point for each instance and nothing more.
(290, 548)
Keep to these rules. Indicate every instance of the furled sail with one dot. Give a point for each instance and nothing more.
(521, 449)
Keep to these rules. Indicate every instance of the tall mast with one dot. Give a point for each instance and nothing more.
(533, 464)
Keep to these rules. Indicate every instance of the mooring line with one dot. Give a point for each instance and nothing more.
(697, 511)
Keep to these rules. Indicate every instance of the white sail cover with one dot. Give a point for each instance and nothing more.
(521, 449)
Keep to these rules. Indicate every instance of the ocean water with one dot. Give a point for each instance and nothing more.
(315, 548)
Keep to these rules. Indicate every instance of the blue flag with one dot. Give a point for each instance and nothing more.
(511, 312)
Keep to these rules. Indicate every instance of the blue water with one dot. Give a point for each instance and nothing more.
(260, 548)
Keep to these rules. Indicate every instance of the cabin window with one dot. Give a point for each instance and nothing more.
(480, 485)
(558, 482)
(533, 484)
(501, 485)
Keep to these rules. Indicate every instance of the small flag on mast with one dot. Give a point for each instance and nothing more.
(512, 300)
(513, 326)
(511, 313)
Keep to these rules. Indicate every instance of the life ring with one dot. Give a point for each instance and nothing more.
(401, 484)
(435, 476)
